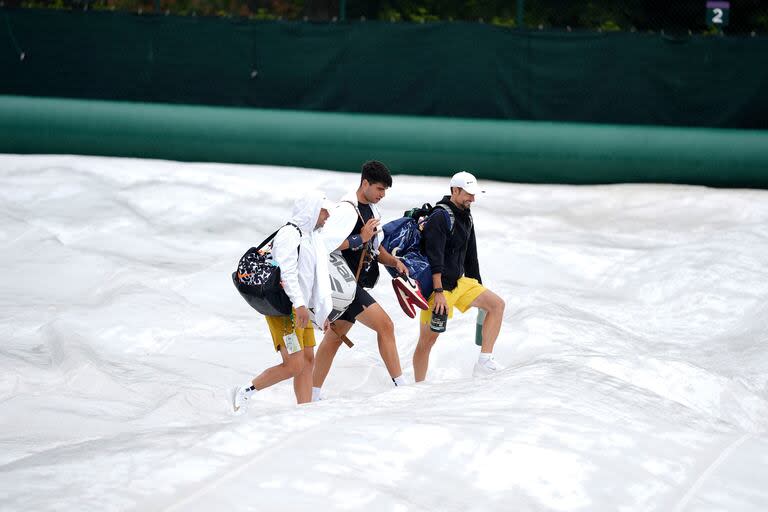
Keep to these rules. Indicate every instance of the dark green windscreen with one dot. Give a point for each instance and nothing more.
(440, 69)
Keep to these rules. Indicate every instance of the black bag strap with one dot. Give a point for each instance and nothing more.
(298, 248)
(294, 225)
(270, 237)
(266, 240)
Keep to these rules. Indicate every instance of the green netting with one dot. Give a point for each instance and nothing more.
(440, 69)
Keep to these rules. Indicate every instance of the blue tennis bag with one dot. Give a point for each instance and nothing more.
(402, 239)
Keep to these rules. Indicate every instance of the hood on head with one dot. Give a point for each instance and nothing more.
(306, 210)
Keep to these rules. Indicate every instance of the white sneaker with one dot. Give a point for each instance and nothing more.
(240, 399)
(488, 367)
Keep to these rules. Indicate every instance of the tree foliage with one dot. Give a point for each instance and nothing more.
(607, 15)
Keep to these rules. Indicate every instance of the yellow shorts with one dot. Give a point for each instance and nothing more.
(466, 291)
(280, 326)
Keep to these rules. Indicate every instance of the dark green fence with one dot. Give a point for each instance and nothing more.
(433, 69)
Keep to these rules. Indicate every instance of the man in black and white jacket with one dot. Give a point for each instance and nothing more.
(451, 248)
(353, 229)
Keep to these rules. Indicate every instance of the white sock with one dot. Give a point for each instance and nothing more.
(315, 394)
(484, 357)
(399, 381)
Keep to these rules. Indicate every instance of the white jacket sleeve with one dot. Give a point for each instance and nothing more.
(339, 225)
(285, 253)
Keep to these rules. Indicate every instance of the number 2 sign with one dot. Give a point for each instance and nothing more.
(717, 13)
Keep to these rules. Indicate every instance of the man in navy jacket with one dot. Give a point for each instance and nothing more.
(451, 248)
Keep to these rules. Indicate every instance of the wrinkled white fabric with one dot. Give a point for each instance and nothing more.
(342, 221)
(305, 275)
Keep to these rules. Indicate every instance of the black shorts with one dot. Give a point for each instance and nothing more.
(361, 301)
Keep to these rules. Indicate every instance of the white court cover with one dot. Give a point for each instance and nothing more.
(635, 341)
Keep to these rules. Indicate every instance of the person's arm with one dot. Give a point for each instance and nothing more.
(285, 253)
(337, 231)
(435, 236)
(357, 240)
(471, 263)
(441, 304)
(385, 258)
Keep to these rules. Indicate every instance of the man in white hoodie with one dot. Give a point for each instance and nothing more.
(302, 256)
(354, 230)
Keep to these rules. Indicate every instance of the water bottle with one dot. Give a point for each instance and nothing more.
(479, 327)
(437, 324)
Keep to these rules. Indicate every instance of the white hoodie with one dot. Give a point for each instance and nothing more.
(305, 275)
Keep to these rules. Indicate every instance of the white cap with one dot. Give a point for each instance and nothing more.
(327, 204)
(466, 181)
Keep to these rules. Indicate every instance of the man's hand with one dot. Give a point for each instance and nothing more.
(441, 304)
(302, 317)
(369, 229)
(400, 266)
(326, 325)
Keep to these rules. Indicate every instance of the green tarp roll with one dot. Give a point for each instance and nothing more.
(521, 151)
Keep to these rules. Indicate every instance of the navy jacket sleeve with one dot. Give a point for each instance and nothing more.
(435, 235)
(471, 264)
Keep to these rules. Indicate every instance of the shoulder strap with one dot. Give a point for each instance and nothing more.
(356, 209)
(294, 225)
(451, 218)
(270, 237)
(298, 249)
(266, 240)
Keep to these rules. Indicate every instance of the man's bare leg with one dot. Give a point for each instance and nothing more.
(427, 339)
(292, 365)
(327, 351)
(302, 383)
(377, 319)
(494, 308)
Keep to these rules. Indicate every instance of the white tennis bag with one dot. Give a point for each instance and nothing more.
(343, 285)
